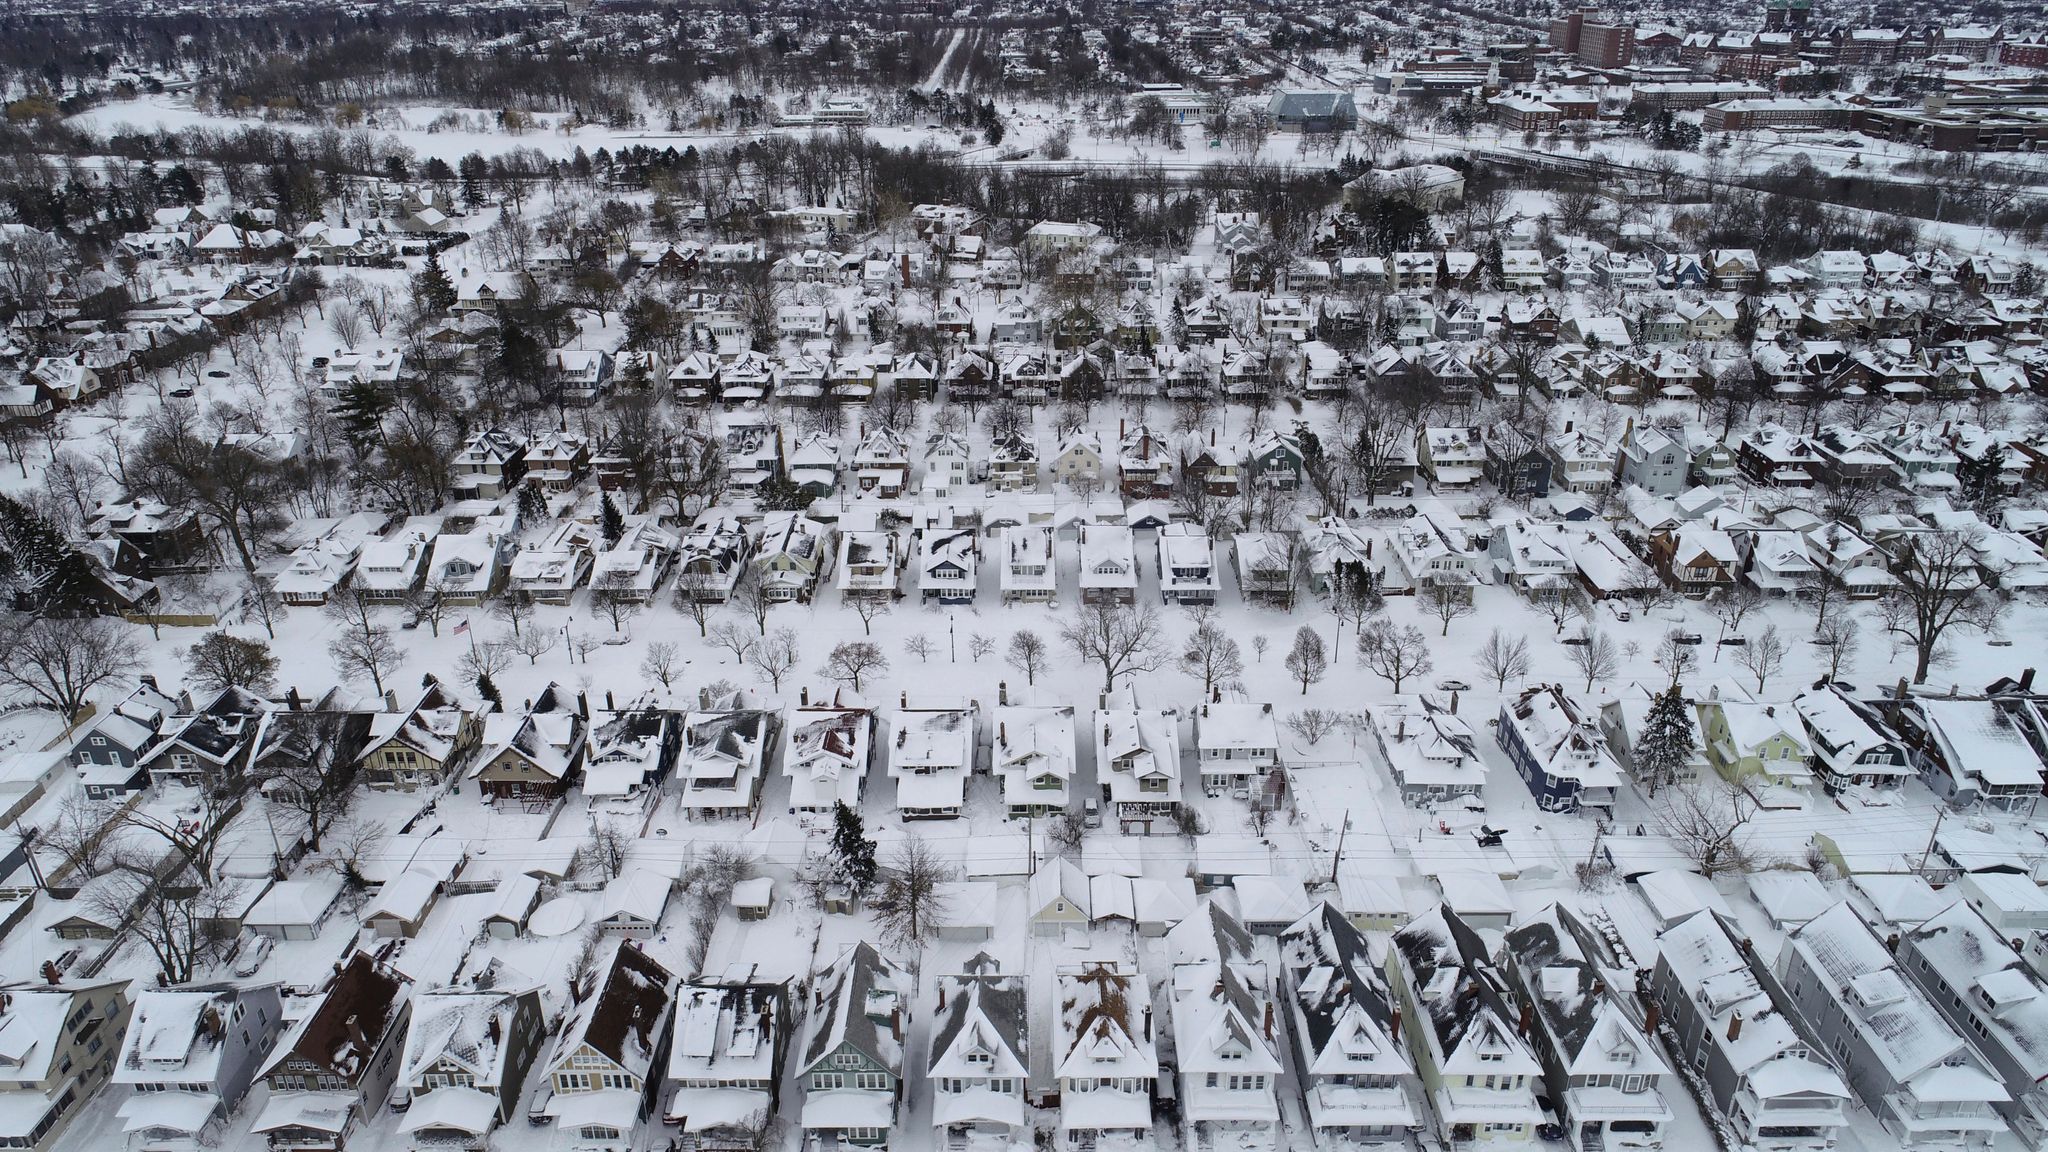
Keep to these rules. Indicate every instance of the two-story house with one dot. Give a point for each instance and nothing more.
(109, 751)
(1235, 744)
(189, 1058)
(724, 761)
(603, 1072)
(948, 463)
(1749, 741)
(1187, 565)
(1984, 988)
(1653, 460)
(1356, 1076)
(1475, 1064)
(58, 1045)
(1557, 751)
(1771, 1081)
(533, 754)
(791, 551)
(1604, 1073)
(628, 753)
(1137, 754)
(725, 1062)
(852, 1067)
(421, 745)
(931, 754)
(335, 1066)
(1851, 746)
(1431, 753)
(1105, 1055)
(827, 754)
(1915, 1072)
(208, 747)
(869, 561)
(979, 1053)
(1029, 574)
(1032, 755)
(466, 1057)
(1226, 1031)
(946, 563)
(1108, 564)
(489, 466)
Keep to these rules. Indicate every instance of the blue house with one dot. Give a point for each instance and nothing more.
(1557, 751)
(1683, 270)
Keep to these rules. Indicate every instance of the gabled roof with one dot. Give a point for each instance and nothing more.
(982, 1012)
(855, 1002)
(619, 1019)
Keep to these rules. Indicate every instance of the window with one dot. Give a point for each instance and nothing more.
(827, 1081)
(871, 1081)
(597, 1132)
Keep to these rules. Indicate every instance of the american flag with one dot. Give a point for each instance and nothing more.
(461, 628)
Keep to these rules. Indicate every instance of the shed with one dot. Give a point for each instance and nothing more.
(294, 909)
(1479, 899)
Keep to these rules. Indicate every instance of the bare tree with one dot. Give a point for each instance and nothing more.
(1708, 820)
(192, 837)
(750, 596)
(919, 645)
(607, 847)
(616, 605)
(1307, 661)
(431, 603)
(1936, 590)
(910, 905)
(1123, 640)
(1210, 655)
(157, 909)
(663, 663)
(314, 793)
(1732, 605)
(533, 643)
(1676, 655)
(710, 883)
(1595, 655)
(1763, 656)
(1394, 652)
(350, 842)
(776, 656)
(1027, 654)
(367, 653)
(1310, 725)
(853, 660)
(57, 663)
(1567, 606)
(980, 644)
(1448, 602)
(76, 832)
(1504, 657)
(486, 659)
(867, 608)
(1841, 637)
(515, 610)
(732, 636)
(693, 598)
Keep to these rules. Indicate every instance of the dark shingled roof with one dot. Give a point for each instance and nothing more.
(634, 996)
(1441, 939)
(1000, 998)
(840, 1007)
(1324, 938)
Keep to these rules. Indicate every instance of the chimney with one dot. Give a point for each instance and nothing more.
(803, 697)
(1212, 437)
(1567, 427)
(1891, 942)
(1119, 429)
(903, 699)
(491, 1029)
(390, 700)
(148, 680)
(942, 995)
(1269, 1019)
(1454, 702)
(1003, 693)
(609, 704)
(583, 704)
(291, 698)
(2027, 680)
(1394, 1024)
(1528, 1018)
(1653, 1014)
(1002, 733)
(1735, 1027)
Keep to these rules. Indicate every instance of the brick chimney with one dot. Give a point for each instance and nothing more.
(1735, 1027)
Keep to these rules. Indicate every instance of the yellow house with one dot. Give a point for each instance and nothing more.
(1747, 740)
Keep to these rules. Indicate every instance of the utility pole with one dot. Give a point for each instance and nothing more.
(1338, 856)
(1935, 831)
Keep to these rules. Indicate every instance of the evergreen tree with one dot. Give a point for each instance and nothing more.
(431, 288)
(361, 412)
(488, 689)
(610, 522)
(852, 848)
(1666, 742)
(533, 504)
(1978, 480)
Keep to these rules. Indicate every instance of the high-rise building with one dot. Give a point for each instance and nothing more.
(1596, 42)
